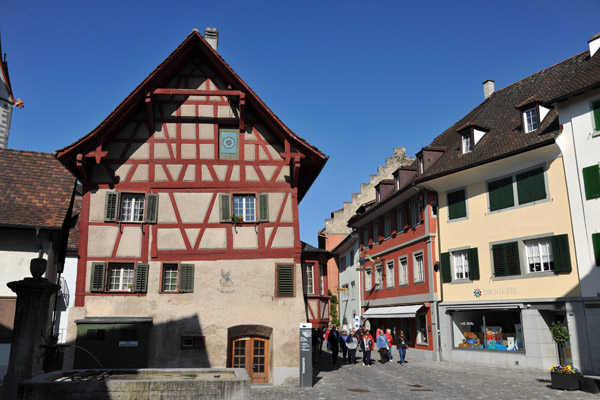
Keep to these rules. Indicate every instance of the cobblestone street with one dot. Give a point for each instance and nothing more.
(419, 379)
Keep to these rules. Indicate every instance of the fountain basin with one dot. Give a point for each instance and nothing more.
(151, 384)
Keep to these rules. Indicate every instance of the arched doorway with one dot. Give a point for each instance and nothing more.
(249, 349)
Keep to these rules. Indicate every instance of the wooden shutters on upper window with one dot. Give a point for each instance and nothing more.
(98, 274)
(473, 257)
(561, 253)
(263, 207)
(446, 269)
(591, 181)
(531, 186)
(596, 112)
(457, 207)
(132, 207)
(186, 280)
(284, 281)
(506, 259)
(501, 194)
(141, 278)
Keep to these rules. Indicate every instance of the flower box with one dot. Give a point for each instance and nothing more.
(565, 381)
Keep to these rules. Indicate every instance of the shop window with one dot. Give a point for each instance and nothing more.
(422, 329)
(488, 329)
(307, 279)
(133, 207)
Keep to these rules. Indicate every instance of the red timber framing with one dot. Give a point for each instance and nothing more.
(106, 159)
(316, 300)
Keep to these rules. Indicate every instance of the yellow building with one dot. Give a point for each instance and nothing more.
(506, 248)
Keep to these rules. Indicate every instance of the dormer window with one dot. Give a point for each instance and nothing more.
(467, 143)
(421, 165)
(530, 120)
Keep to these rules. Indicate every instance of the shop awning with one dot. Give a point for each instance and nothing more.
(393, 312)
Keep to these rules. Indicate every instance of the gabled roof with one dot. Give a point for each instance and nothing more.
(35, 190)
(499, 114)
(193, 44)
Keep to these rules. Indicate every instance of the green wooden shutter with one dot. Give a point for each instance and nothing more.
(561, 254)
(531, 186)
(151, 208)
(591, 181)
(473, 257)
(506, 259)
(110, 207)
(98, 273)
(596, 111)
(285, 280)
(141, 278)
(501, 194)
(263, 207)
(596, 243)
(186, 279)
(446, 270)
(225, 208)
(457, 207)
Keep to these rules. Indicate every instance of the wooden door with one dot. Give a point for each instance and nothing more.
(252, 353)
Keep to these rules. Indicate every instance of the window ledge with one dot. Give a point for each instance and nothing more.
(595, 133)
(416, 282)
(457, 219)
(461, 281)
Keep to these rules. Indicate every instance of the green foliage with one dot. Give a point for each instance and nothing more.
(333, 311)
(560, 333)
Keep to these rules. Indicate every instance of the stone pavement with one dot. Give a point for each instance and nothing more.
(418, 379)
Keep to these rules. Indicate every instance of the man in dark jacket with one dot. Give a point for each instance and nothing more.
(334, 338)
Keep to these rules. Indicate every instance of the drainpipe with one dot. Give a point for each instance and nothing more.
(441, 298)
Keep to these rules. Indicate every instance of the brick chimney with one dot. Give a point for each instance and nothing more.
(488, 88)
(211, 35)
(594, 43)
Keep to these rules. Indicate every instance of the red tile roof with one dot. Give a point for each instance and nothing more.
(73, 243)
(35, 190)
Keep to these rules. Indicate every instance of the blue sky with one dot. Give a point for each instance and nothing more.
(354, 79)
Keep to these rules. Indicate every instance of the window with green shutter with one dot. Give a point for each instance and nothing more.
(285, 281)
(596, 244)
(110, 207)
(446, 270)
(98, 276)
(596, 112)
(501, 194)
(506, 259)
(225, 202)
(473, 257)
(531, 186)
(457, 207)
(151, 208)
(591, 181)
(263, 207)
(561, 254)
(141, 278)
(186, 281)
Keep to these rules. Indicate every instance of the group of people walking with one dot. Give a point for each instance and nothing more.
(361, 339)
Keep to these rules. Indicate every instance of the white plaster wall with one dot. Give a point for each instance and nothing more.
(70, 276)
(349, 302)
(581, 148)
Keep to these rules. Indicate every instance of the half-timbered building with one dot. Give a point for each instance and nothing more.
(190, 253)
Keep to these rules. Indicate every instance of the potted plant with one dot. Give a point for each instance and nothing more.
(565, 377)
(236, 219)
